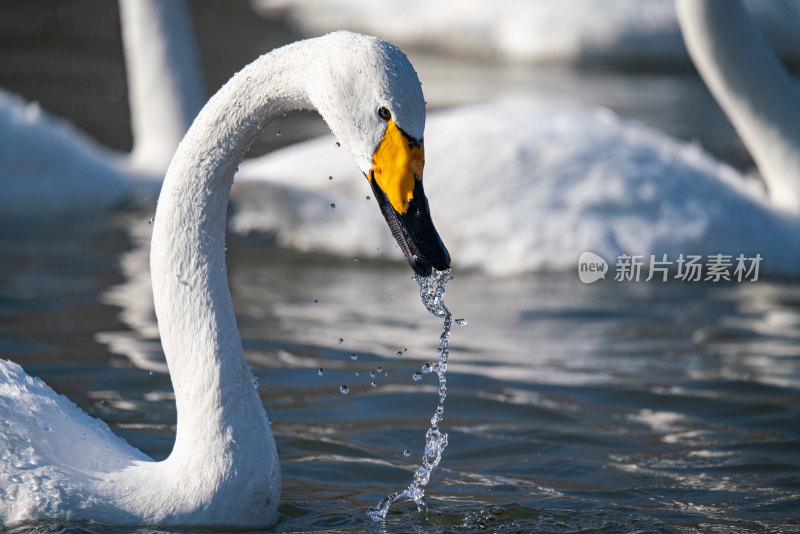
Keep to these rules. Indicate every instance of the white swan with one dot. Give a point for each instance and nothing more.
(541, 182)
(223, 470)
(47, 167)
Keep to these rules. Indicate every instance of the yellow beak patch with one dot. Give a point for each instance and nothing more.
(396, 164)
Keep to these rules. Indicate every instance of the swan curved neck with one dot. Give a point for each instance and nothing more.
(192, 299)
(752, 87)
(165, 83)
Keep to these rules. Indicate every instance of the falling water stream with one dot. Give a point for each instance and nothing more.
(431, 291)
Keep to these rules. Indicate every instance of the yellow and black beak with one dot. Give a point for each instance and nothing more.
(396, 179)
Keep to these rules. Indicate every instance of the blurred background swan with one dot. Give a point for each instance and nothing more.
(49, 167)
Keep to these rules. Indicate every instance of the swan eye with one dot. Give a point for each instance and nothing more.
(384, 113)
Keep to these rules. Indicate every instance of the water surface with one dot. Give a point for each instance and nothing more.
(611, 407)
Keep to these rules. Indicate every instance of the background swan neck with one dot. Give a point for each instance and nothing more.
(753, 88)
(165, 82)
(216, 401)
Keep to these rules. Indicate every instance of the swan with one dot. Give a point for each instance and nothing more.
(48, 167)
(540, 182)
(223, 470)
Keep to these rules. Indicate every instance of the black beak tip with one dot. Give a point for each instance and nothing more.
(414, 232)
(422, 269)
(424, 266)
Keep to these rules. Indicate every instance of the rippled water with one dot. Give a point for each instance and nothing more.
(612, 407)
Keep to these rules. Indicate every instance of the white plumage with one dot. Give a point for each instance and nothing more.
(223, 470)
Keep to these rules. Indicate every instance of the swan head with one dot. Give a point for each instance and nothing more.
(369, 94)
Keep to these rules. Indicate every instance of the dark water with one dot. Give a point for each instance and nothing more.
(613, 407)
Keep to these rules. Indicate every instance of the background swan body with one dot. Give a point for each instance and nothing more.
(529, 185)
(223, 469)
(48, 167)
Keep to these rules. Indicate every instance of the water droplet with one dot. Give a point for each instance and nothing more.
(355, 260)
(151, 373)
(338, 144)
(367, 197)
(399, 354)
(341, 341)
(283, 115)
(354, 356)
(379, 369)
(373, 384)
(333, 206)
(320, 371)
(344, 390)
(417, 376)
(316, 301)
(357, 373)
(461, 322)
(278, 134)
(372, 374)
(406, 453)
(330, 178)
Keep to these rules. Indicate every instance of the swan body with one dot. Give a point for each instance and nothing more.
(223, 469)
(48, 167)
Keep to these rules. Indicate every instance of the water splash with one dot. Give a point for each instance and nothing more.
(431, 291)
